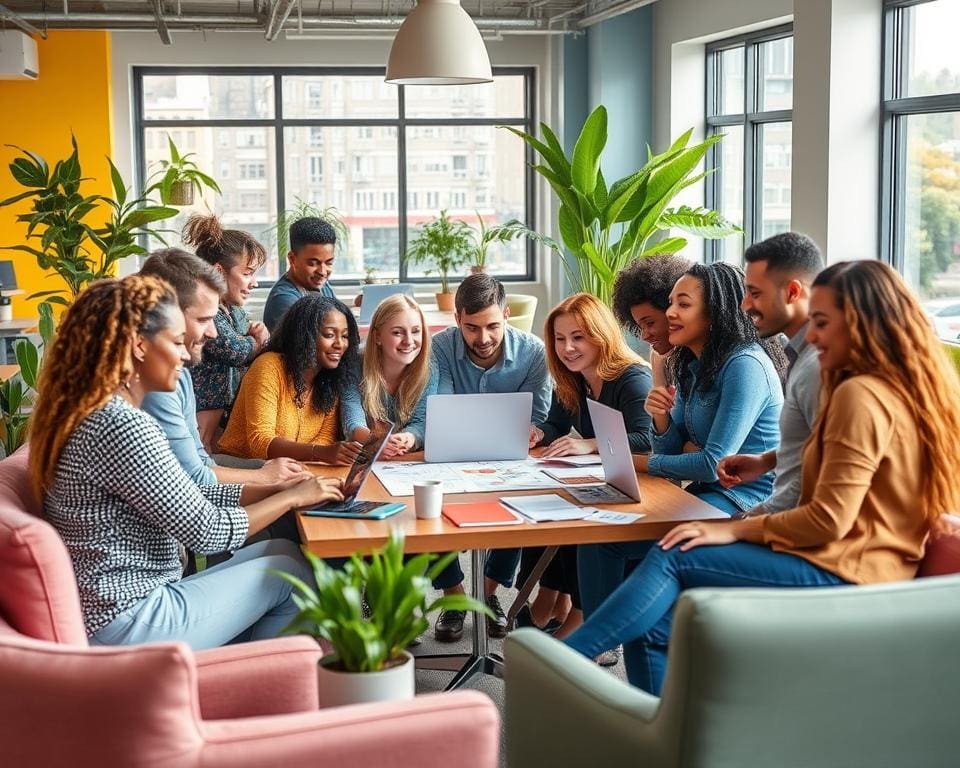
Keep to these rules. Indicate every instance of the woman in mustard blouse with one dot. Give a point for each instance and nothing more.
(879, 471)
(289, 400)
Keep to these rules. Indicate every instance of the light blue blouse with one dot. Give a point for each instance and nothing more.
(740, 413)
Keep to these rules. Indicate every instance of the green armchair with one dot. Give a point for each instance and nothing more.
(757, 678)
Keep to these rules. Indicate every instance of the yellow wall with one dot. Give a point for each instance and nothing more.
(72, 93)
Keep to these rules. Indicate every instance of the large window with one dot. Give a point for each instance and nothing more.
(387, 158)
(750, 101)
(921, 158)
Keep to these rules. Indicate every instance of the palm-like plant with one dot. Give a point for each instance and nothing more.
(279, 232)
(502, 233)
(397, 593)
(607, 227)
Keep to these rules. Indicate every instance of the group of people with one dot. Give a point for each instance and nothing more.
(814, 406)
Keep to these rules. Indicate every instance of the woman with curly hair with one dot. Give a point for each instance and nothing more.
(236, 256)
(112, 487)
(879, 471)
(289, 401)
(727, 397)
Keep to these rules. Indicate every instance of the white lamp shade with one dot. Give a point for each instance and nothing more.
(438, 44)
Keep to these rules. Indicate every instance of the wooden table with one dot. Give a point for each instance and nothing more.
(663, 504)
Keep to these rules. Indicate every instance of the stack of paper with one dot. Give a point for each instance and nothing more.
(574, 461)
(545, 508)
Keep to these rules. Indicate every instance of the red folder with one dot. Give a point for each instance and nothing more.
(479, 513)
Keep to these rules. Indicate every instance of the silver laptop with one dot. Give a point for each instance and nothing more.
(374, 294)
(614, 449)
(485, 427)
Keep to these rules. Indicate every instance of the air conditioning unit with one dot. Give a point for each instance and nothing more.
(18, 56)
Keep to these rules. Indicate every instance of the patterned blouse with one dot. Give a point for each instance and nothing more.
(216, 378)
(123, 506)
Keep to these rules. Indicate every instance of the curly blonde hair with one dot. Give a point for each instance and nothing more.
(89, 360)
(890, 337)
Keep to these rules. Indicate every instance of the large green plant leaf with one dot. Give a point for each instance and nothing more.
(699, 221)
(557, 162)
(28, 358)
(667, 245)
(586, 153)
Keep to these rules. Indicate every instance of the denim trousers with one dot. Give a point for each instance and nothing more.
(240, 599)
(638, 612)
(501, 566)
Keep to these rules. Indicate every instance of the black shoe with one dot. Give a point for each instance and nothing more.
(525, 619)
(449, 626)
(496, 626)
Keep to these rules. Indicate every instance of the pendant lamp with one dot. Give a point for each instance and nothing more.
(438, 44)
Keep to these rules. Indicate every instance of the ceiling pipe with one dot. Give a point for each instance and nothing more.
(279, 14)
(162, 29)
(612, 11)
(21, 22)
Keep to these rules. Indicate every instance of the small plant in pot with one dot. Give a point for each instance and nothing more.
(444, 245)
(179, 178)
(482, 239)
(369, 660)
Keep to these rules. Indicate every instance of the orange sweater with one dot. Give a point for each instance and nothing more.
(858, 515)
(265, 409)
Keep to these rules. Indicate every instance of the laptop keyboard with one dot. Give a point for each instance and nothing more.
(358, 507)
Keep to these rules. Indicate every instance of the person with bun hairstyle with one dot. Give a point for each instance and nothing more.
(879, 472)
(122, 504)
(236, 256)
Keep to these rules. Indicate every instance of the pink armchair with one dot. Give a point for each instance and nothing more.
(65, 703)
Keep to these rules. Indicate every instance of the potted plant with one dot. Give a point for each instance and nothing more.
(179, 178)
(279, 231)
(59, 221)
(15, 395)
(483, 238)
(607, 227)
(369, 660)
(444, 244)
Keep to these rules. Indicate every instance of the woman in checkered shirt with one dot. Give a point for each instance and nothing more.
(121, 501)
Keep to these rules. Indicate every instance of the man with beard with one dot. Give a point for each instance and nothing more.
(198, 287)
(779, 273)
(483, 354)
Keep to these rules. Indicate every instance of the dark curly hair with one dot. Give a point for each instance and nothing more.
(296, 342)
(730, 328)
(311, 230)
(650, 280)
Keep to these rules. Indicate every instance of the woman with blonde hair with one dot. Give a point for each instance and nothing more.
(112, 487)
(588, 359)
(879, 471)
(397, 376)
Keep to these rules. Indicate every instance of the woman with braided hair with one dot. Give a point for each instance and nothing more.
(122, 503)
(879, 471)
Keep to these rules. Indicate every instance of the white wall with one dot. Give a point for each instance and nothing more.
(131, 49)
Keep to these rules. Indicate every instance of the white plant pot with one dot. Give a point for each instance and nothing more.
(340, 688)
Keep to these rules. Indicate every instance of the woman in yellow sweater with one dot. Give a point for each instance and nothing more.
(289, 400)
(879, 470)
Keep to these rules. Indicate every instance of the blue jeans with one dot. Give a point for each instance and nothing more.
(238, 599)
(637, 613)
(501, 566)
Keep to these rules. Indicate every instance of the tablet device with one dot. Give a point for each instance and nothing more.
(614, 449)
(484, 427)
(374, 294)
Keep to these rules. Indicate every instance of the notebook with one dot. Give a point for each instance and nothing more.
(545, 508)
(471, 515)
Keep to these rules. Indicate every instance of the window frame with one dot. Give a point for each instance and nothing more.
(400, 123)
(751, 120)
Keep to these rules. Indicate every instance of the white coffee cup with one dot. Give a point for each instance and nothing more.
(428, 498)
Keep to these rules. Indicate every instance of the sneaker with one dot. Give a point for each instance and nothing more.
(609, 658)
(449, 626)
(496, 626)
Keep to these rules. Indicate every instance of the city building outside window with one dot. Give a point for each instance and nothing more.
(920, 221)
(750, 101)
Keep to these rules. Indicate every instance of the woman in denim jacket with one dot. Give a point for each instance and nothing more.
(728, 396)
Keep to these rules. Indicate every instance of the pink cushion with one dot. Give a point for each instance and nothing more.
(943, 551)
(38, 592)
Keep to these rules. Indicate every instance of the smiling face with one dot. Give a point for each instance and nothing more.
(765, 299)
(687, 319)
(653, 326)
(241, 280)
(828, 330)
(333, 340)
(483, 334)
(199, 322)
(163, 355)
(574, 348)
(400, 338)
(311, 266)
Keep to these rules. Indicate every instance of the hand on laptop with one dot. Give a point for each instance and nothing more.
(569, 446)
(398, 445)
(342, 453)
(318, 490)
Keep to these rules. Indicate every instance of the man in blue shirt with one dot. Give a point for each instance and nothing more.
(484, 354)
(312, 245)
(198, 287)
